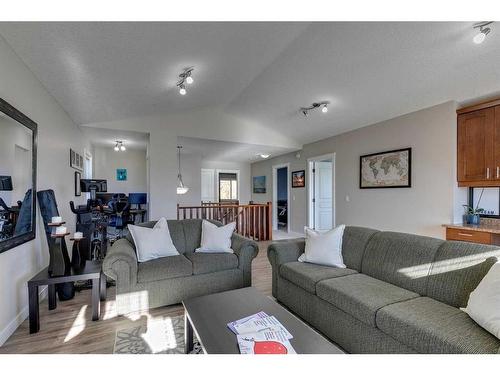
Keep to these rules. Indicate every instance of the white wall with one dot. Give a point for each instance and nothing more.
(106, 161)
(56, 134)
(433, 199)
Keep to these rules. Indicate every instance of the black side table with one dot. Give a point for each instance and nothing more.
(91, 271)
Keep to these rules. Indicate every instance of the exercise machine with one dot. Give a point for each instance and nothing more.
(92, 220)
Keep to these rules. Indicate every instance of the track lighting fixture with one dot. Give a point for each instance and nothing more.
(119, 146)
(323, 105)
(483, 31)
(185, 77)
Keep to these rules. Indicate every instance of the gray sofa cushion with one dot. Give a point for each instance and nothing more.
(207, 263)
(164, 268)
(307, 275)
(430, 326)
(401, 259)
(354, 243)
(361, 295)
(457, 270)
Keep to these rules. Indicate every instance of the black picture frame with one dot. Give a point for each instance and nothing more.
(78, 190)
(407, 185)
(299, 179)
(21, 118)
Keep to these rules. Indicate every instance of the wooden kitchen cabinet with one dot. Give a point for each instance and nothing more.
(478, 145)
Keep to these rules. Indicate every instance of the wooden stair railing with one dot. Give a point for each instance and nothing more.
(252, 220)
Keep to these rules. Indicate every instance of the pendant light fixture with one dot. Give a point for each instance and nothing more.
(181, 188)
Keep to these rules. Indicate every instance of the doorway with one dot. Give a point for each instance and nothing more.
(321, 192)
(281, 194)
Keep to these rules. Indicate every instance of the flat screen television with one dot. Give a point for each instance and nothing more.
(91, 185)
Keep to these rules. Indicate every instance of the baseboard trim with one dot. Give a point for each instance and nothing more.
(17, 321)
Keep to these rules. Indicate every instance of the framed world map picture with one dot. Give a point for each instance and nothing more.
(389, 169)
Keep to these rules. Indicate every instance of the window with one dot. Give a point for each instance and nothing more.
(228, 187)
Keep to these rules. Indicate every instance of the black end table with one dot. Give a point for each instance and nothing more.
(91, 271)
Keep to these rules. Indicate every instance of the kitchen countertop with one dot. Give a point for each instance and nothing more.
(489, 228)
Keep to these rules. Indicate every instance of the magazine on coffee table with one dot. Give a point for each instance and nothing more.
(265, 342)
(258, 315)
(261, 334)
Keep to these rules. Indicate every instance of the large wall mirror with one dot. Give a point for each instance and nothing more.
(17, 177)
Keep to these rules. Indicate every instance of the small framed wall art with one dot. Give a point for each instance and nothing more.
(78, 191)
(75, 160)
(121, 174)
(259, 184)
(299, 179)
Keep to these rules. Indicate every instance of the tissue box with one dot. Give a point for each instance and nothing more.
(61, 230)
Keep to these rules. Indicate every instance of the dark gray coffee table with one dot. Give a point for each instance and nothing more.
(207, 317)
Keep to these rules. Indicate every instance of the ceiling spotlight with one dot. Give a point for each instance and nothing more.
(264, 156)
(323, 105)
(185, 77)
(119, 146)
(483, 31)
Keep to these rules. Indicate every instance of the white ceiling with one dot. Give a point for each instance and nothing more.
(107, 138)
(260, 71)
(109, 71)
(212, 150)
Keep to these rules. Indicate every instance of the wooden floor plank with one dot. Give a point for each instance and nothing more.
(69, 328)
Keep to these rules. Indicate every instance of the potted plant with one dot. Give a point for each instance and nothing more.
(471, 215)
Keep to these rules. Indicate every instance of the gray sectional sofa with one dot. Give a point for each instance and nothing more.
(169, 280)
(400, 293)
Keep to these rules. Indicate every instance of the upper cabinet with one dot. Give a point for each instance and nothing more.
(478, 147)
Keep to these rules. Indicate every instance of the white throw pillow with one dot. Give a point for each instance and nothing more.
(324, 248)
(216, 239)
(484, 302)
(153, 243)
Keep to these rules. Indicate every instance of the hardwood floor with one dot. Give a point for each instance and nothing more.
(69, 328)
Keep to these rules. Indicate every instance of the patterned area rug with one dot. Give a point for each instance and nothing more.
(162, 335)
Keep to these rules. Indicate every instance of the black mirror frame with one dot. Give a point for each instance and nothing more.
(30, 124)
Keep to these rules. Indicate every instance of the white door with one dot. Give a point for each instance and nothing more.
(208, 185)
(323, 195)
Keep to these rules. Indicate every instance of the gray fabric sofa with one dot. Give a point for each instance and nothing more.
(169, 280)
(400, 293)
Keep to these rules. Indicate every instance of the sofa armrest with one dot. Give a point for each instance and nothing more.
(120, 264)
(281, 252)
(246, 250)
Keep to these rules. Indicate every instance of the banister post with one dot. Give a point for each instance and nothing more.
(269, 220)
